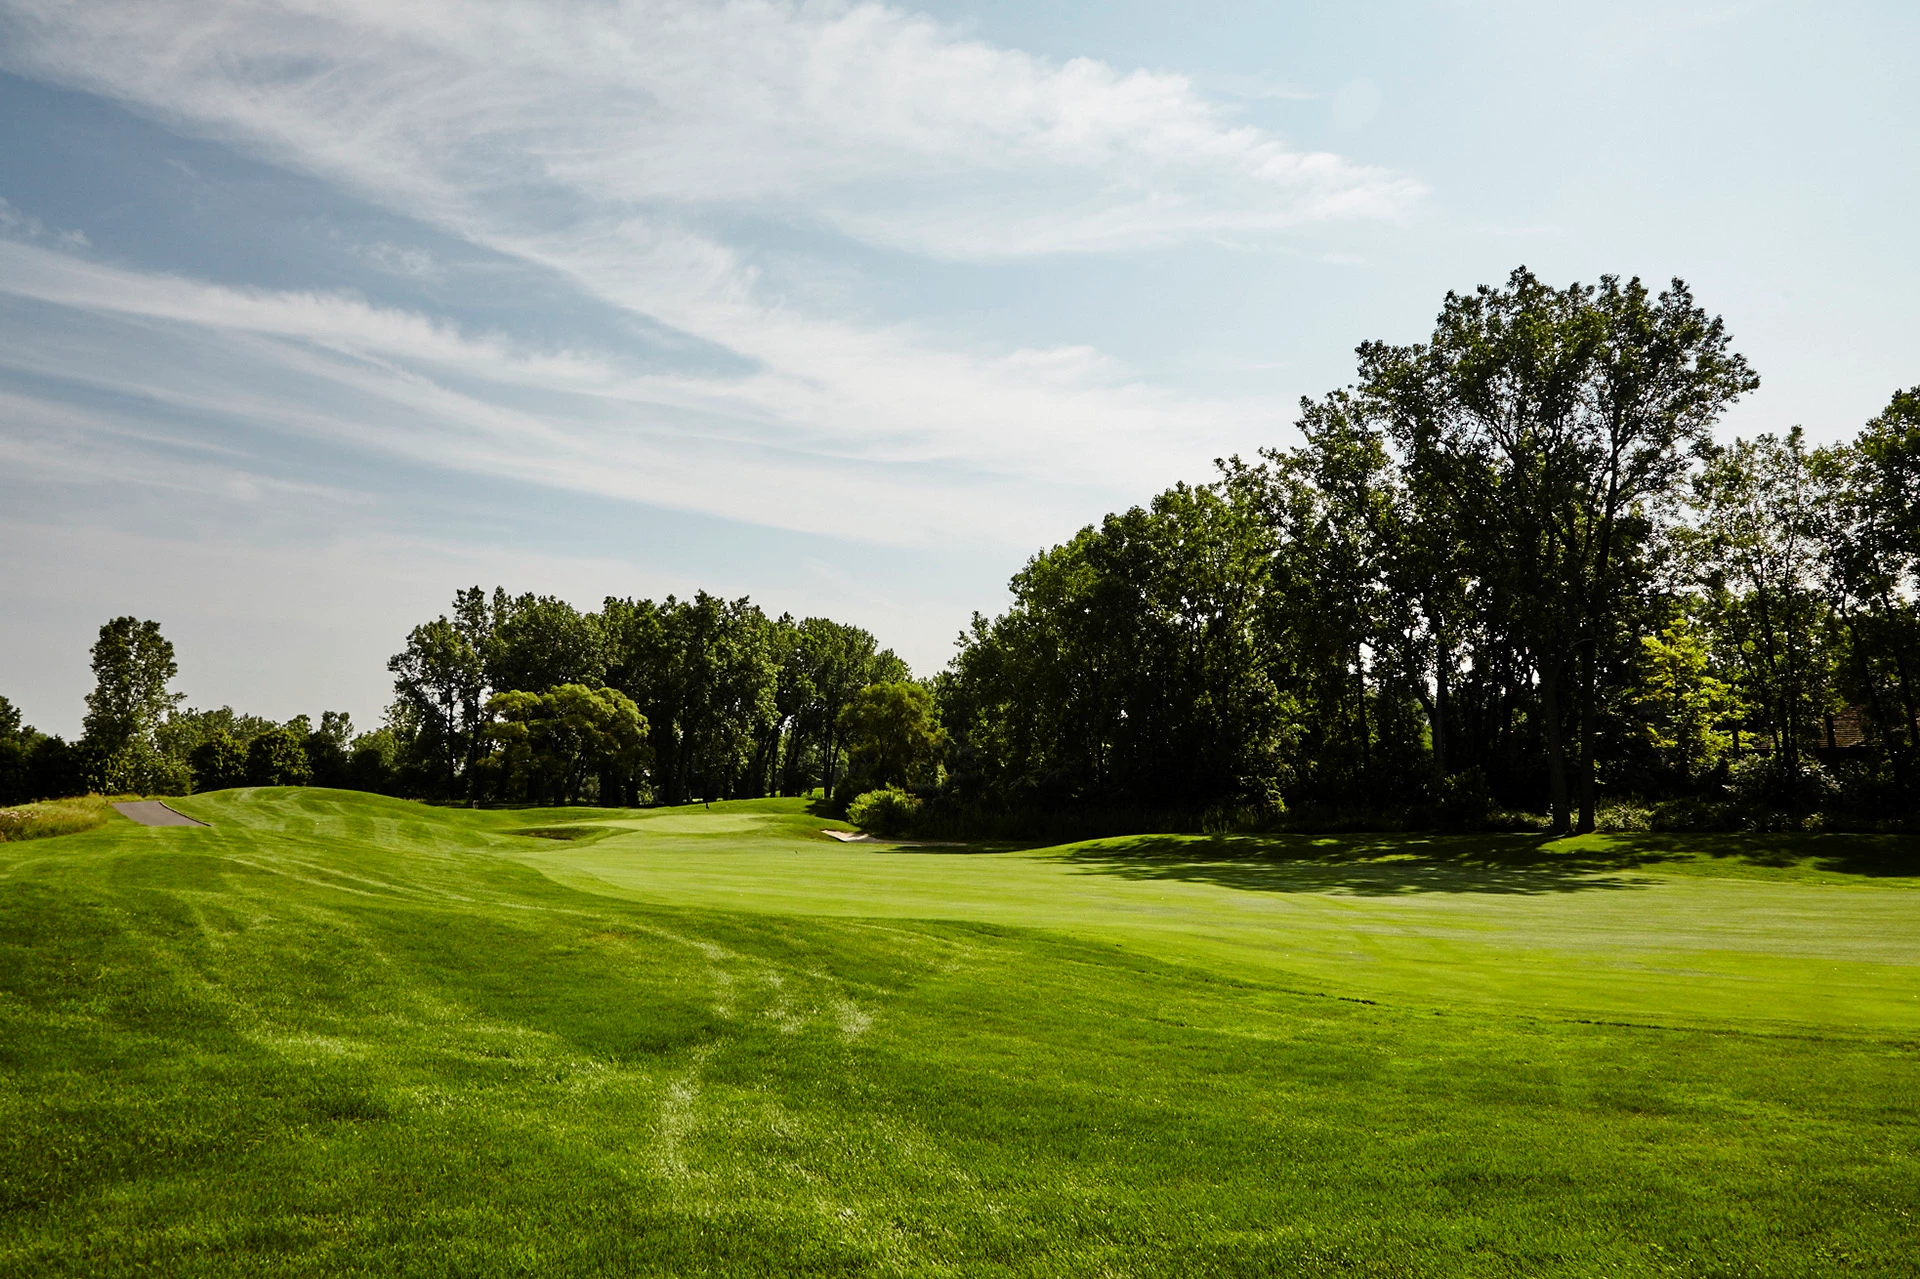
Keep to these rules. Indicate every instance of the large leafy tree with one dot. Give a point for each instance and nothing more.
(1133, 667)
(894, 730)
(1560, 425)
(133, 666)
(1759, 549)
(1869, 528)
(437, 676)
(552, 742)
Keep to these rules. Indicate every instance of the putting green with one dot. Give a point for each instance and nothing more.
(1640, 944)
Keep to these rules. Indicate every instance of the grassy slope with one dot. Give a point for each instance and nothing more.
(335, 1033)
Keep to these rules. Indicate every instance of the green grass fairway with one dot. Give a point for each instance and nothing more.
(336, 1034)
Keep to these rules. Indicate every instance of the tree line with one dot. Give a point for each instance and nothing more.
(1509, 570)
(511, 698)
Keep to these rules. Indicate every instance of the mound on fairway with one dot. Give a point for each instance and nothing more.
(332, 1033)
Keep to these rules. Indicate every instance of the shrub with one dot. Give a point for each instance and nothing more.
(888, 813)
(1777, 797)
(1462, 800)
(1622, 816)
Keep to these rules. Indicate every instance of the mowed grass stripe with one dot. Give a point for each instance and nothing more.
(336, 1034)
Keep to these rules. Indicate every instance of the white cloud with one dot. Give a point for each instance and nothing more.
(838, 431)
(605, 142)
(885, 124)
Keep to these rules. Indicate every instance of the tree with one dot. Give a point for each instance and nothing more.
(328, 748)
(1135, 667)
(132, 666)
(1758, 551)
(1683, 705)
(552, 742)
(17, 742)
(1560, 424)
(540, 642)
(437, 677)
(218, 761)
(895, 732)
(1869, 527)
(278, 758)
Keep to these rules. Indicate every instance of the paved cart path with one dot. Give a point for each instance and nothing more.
(151, 812)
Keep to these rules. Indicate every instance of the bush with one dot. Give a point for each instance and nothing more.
(1776, 797)
(1462, 801)
(888, 813)
(1690, 813)
(1622, 816)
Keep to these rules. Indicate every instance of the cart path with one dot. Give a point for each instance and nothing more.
(151, 812)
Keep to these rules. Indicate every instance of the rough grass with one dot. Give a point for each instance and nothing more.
(338, 1034)
(50, 817)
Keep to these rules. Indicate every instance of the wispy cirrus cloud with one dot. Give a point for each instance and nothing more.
(883, 124)
(618, 147)
(824, 452)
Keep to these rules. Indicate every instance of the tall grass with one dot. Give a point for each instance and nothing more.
(52, 817)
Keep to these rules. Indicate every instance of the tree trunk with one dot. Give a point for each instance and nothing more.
(1585, 711)
(1556, 748)
(1442, 664)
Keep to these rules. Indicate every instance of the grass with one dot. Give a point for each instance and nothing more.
(49, 817)
(338, 1034)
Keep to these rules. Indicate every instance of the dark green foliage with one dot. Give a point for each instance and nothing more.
(278, 758)
(551, 743)
(17, 742)
(132, 666)
(887, 811)
(894, 734)
(219, 761)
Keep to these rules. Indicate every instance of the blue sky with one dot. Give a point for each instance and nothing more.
(311, 313)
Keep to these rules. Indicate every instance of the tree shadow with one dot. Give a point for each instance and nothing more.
(1869, 856)
(1371, 865)
(1517, 864)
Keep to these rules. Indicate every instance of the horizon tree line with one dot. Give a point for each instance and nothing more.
(1508, 568)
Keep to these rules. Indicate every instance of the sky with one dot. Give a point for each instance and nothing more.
(312, 313)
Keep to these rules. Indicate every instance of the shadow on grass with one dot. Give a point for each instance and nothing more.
(1366, 865)
(1523, 864)
(1866, 856)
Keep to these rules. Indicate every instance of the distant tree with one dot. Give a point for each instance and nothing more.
(328, 748)
(374, 762)
(552, 742)
(132, 666)
(437, 676)
(55, 769)
(895, 733)
(219, 761)
(1758, 548)
(1560, 424)
(541, 642)
(278, 758)
(17, 741)
(182, 731)
(1682, 705)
